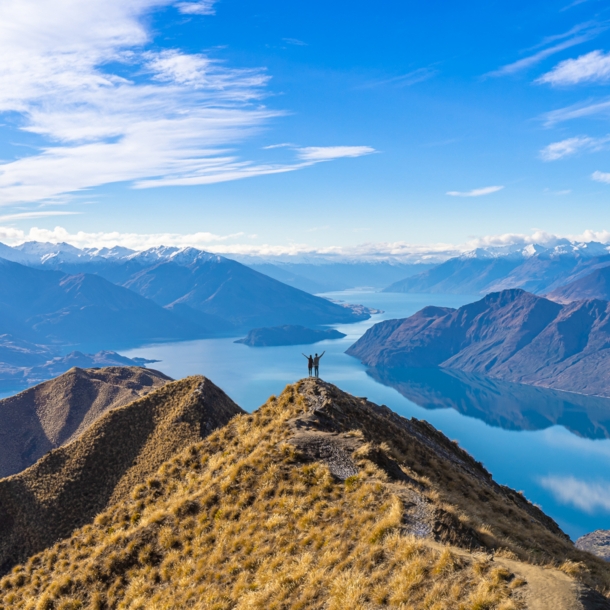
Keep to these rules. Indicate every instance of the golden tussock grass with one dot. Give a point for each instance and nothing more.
(241, 521)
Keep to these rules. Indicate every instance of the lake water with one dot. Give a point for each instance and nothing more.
(553, 446)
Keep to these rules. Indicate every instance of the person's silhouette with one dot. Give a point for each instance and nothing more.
(316, 363)
(309, 363)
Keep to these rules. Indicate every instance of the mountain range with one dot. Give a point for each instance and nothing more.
(317, 499)
(511, 335)
(535, 268)
(52, 307)
(313, 274)
(56, 298)
(202, 294)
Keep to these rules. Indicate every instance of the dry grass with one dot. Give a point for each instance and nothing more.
(244, 520)
(69, 486)
(54, 412)
(239, 521)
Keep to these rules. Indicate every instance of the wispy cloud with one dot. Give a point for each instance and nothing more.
(168, 118)
(487, 190)
(575, 36)
(603, 177)
(295, 41)
(201, 7)
(572, 146)
(592, 67)
(39, 214)
(573, 4)
(328, 153)
(403, 80)
(576, 111)
(282, 145)
(586, 496)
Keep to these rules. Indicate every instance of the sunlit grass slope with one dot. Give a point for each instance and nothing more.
(316, 500)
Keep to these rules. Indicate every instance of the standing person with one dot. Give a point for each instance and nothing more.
(309, 363)
(316, 363)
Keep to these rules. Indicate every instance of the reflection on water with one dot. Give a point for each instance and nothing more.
(511, 406)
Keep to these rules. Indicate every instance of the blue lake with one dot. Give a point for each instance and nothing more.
(553, 446)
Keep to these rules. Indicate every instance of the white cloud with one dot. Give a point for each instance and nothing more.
(592, 67)
(202, 7)
(168, 118)
(241, 245)
(487, 190)
(588, 497)
(136, 241)
(327, 153)
(577, 35)
(601, 177)
(571, 146)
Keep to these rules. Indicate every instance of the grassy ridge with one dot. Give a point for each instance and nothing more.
(315, 500)
(69, 486)
(54, 412)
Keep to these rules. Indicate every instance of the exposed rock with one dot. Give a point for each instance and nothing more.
(597, 542)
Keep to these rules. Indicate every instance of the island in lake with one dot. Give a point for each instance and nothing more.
(288, 334)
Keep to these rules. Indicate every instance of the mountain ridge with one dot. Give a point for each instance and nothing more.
(54, 412)
(70, 485)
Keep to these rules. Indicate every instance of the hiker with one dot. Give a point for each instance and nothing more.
(309, 363)
(316, 363)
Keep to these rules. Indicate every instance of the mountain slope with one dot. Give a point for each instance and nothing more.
(595, 285)
(56, 411)
(69, 486)
(510, 335)
(53, 307)
(227, 289)
(318, 499)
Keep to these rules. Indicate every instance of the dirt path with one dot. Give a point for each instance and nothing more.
(547, 588)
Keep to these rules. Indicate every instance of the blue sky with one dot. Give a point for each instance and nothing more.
(275, 127)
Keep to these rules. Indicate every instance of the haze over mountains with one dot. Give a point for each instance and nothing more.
(511, 335)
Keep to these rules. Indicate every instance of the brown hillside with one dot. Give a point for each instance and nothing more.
(70, 485)
(54, 412)
(317, 500)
